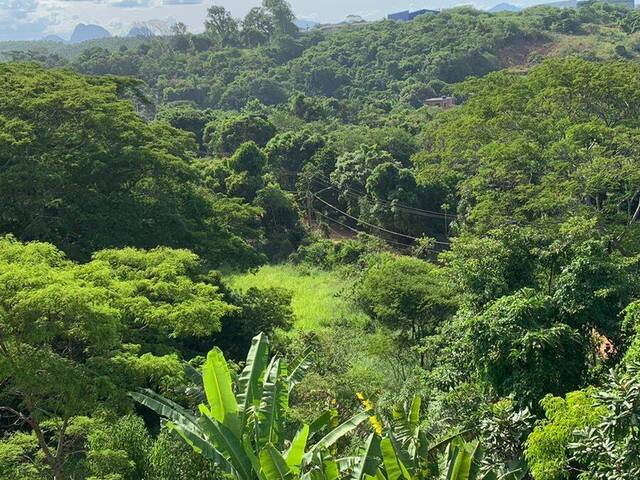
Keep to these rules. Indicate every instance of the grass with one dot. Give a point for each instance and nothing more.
(319, 297)
(598, 43)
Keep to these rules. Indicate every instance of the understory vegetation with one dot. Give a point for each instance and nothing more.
(258, 254)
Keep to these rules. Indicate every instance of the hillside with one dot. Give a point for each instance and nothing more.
(44, 48)
(390, 251)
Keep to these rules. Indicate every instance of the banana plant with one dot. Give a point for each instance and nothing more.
(406, 452)
(241, 427)
(383, 459)
(462, 461)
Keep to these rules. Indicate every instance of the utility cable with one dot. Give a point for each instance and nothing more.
(404, 245)
(371, 225)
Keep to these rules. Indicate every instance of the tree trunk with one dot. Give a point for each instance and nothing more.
(57, 472)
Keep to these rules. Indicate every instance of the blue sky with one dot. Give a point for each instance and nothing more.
(29, 19)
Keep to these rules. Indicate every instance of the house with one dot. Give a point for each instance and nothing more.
(407, 16)
(441, 102)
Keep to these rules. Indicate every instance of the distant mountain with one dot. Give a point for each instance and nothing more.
(83, 32)
(504, 7)
(151, 28)
(53, 38)
(305, 24)
(562, 4)
(141, 31)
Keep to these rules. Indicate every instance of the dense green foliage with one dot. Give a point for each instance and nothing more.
(459, 286)
(81, 169)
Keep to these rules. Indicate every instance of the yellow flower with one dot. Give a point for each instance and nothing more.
(375, 423)
(366, 404)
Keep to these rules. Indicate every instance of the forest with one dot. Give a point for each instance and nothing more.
(258, 253)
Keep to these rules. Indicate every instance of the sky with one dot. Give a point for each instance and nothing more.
(33, 19)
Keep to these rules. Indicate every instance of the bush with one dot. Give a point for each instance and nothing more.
(546, 450)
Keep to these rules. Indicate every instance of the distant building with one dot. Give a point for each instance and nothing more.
(407, 16)
(441, 102)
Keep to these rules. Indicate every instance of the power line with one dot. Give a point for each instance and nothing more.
(398, 205)
(327, 181)
(371, 225)
(404, 245)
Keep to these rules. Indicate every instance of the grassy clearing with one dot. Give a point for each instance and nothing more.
(599, 43)
(319, 297)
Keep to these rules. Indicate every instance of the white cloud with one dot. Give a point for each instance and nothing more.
(28, 19)
(181, 2)
(25, 19)
(130, 3)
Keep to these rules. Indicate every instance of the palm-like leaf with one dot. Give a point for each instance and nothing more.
(249, 394)
(183, 422)
(336, 434)
(393, 466)
(274, 403)
(219, 391)
(294, 455)
(370, 460)
(299, 368)
(231, 446)
(461, 460)
(245, 445)
(274, 466)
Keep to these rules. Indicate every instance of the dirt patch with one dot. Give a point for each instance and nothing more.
(523, 54)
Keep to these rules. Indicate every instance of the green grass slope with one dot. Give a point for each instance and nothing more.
(319, 297)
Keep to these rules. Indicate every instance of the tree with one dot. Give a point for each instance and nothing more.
(283, 16)
(221, 26)
(547, 447)
(415, 95)
(489, 267)
(181, 37)
(561, 159)
(281, 222)
(84, 171)
(352, 171)
(243, 434)
(119, 449)
(74, 338)
(248, 158)
(407, 295)
(593, 287)
(231, 133)
(257, 27)
(247, 165)
(523, 348)
(258, 87)
(187, 118)
(393, 192)
(610, 449)
(171, 458)
(289, 152)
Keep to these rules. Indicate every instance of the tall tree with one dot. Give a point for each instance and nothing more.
(75, 338)
(283, 16)
(257, 26)
(221, 26)
(81, 169)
